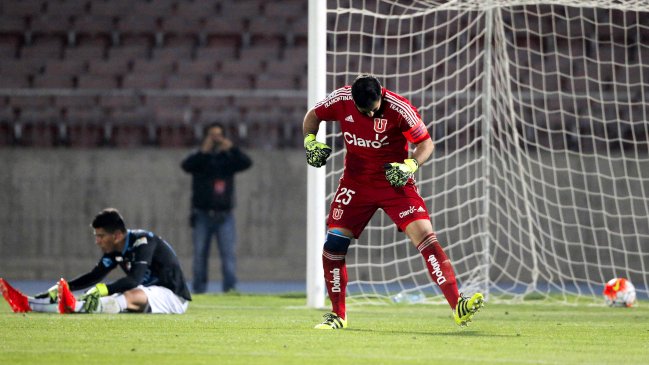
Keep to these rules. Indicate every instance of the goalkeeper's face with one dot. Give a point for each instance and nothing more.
(371, 109)
(107, 241)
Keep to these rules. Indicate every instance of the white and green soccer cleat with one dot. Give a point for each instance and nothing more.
(331, 322)
(466, 308)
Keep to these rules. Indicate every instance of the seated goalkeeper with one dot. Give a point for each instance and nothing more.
(154, 281)
(377, 125)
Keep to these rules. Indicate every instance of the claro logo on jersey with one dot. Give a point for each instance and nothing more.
(357, 141)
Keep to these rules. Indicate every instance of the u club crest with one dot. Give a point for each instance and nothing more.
(337, 213)
(380, 125)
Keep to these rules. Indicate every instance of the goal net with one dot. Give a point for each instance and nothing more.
(539, 184)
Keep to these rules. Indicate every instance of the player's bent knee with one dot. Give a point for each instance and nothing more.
(336, 241)
(136, 300)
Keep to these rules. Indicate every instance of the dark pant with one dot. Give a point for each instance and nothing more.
(222, 225)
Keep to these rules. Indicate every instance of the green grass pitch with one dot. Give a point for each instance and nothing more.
(265, 329)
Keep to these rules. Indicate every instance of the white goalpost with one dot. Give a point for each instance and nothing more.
(539, 185)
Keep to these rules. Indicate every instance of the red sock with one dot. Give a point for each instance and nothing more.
(335, 274)
(439, 268)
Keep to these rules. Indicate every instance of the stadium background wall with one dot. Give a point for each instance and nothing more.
(49, 197)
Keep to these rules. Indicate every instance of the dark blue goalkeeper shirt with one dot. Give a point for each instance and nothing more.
(146, 259)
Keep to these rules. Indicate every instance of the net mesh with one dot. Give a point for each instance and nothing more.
(539, 185)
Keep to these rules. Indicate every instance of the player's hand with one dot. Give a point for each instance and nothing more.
(91, 297)
(398, 174)
(52, 293)
(317, 153)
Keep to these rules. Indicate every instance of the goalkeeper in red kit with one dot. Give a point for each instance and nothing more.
(377, 125)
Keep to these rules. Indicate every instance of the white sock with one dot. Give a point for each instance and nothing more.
(110, 305)
(43, 305)
(121, 301)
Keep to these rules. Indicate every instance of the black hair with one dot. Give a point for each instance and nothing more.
(211, 125)
(110, 220)
(366, 90)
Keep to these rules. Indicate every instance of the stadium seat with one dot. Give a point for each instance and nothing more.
(42, 47)
(155, 102)
(75, 101)
(84, 127)
(119, 101)
(50, 25)
(131, 48)
(65, 67)
(129, 128)
(186, 82)
(10, 39)
(37, 127)
(152, 67)
(197, 9)
(113, 8)
(94, 25)
(87, 48)
(108, 67)
(14, 81)
(183, 25)
(143, 81)
(240, 67)
(196, 67)
(218, 48)
(22, 8)
(221, 25)
(90, 81)
(271, 81)
(231, 81)
(174, 127)
(175, 48)
(53, 81)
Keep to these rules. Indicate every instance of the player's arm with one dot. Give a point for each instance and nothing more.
(237, 159)
(195, 162)
(316, 152)
(91, 278)
(423, 150)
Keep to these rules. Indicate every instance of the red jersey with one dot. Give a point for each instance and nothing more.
(371, 142)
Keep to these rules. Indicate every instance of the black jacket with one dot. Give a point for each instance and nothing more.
(213, 177)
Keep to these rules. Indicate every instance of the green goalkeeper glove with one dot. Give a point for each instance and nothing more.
(52, 293)
(398, 174)
(316, 152)
(91, 297)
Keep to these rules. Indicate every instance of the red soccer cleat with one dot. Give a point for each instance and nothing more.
(18, 301)
(67, 301)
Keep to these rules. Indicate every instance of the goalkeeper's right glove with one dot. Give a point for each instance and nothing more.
(316, 152)
(52, 293)
(91, 297)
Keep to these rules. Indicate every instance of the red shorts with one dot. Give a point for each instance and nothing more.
(354, 204)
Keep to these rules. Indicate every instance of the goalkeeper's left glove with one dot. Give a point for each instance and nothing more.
(91, 297)
(52, 293)
(316, 152)
(398, 174)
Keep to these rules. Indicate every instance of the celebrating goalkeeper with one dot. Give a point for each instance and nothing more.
(377, 125)
(154, 282)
